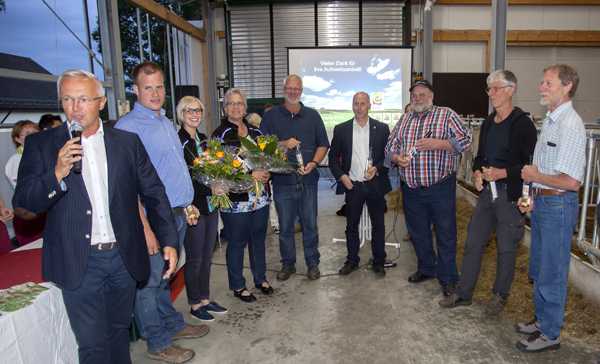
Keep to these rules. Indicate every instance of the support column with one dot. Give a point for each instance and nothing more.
(498, 34)
(208, 62)
(428, 44)
(108, 17)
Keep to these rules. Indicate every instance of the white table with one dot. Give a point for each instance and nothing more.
(36, 244)
(38, 333)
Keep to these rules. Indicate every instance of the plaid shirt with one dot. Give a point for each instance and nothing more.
(561, 145)
(428, 167)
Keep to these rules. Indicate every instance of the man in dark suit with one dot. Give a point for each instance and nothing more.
(356, 161)
(94, 246)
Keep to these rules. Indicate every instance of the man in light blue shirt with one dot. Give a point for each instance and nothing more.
(157, 319)
(557, 173)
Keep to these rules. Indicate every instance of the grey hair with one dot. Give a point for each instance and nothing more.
(232, 91)
(293, 76)
(361, 93)
(185, 102)
(506, 76)
(567, 75)
(79, 74)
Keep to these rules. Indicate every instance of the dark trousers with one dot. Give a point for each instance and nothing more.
(504, 217)
(434, 205)
(199, 245)
(360, 194)
(100, 309)
(246, 228)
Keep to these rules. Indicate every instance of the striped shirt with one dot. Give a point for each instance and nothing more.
(560, 147)
(429, 166)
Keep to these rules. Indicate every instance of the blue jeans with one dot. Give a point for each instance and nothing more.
(294, 201)
(246, 228)
(434, 205)
(100, 309)
(553, 221)
(155, 315)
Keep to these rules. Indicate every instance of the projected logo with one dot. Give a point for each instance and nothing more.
(377, 101)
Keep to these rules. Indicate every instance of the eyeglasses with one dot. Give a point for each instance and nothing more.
(488, 90)
(84, 100)
(293, 89)
(234, 104)
(193, 111)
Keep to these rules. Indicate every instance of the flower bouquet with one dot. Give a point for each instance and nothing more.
(266, 154)
(220, 167)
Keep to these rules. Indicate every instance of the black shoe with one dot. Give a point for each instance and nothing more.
(266, 290)
(249, 297)
(379, 270)
(285, 273)
(418, 277)
(341, 211)
(454, 300)
(348, 268)
(313, 273)
(448, 289)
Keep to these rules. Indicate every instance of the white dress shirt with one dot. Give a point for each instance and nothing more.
(360, 151)
(94, 170)
(12, 169)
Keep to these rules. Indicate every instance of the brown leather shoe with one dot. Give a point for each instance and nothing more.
(172, 354)
(191, 332)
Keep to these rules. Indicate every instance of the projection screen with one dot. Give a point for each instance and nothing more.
(331, 76)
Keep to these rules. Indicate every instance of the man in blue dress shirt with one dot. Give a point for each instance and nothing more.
(158, 320)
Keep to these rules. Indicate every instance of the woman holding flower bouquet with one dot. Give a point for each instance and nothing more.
(245, 222)
(200, 239)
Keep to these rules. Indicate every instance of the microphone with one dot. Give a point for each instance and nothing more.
(75, 130)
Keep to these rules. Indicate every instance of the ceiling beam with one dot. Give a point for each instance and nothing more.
(520, 37)
(170, 17)
(520, 2)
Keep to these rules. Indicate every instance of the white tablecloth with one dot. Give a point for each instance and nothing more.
(37, 244)
(38, 333)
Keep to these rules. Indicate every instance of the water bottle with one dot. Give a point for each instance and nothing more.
(299, 157)
(525, 199)
(369, 162)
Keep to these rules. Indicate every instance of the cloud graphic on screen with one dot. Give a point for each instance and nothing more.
(315, 83)
(393, 95)
(328, 103)
(388, 75)
(377, 64)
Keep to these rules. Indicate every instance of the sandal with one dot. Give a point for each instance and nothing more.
(244, 295)
(266, 288)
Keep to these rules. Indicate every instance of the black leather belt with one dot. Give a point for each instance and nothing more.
(105, 246)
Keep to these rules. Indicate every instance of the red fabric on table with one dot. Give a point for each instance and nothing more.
(27, 231)
(26, 266)
(20, 267)
(5, 244)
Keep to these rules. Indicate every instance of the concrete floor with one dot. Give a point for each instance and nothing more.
(353, 319)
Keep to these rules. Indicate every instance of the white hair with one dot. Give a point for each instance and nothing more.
(231, 92)
(79, 74)
(293, 76)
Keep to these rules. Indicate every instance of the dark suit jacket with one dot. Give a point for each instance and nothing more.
(69, 213)
(340, 153)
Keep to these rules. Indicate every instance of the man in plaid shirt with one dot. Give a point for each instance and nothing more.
(426, 145)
